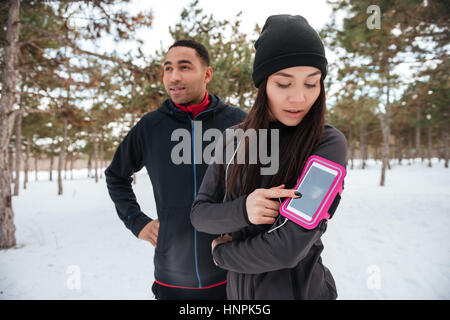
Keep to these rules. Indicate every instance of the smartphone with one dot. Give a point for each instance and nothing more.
(314, 188)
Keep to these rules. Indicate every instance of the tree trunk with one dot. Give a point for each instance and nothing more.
(389, 155)
(418, 149)
(385, 129)
(12, 161)
(18, 152)
(385, 147)
(102, 154)
(26, 166)
(375, 153)
(65, 165)
(95, 154)
(50, 170)
(410, 147)
(36, 169)
(363, 145)
(72, 159)
(133, 119)
(62, 155)
(399, 148)
(89, 164)
(9, 80)
(430, 147)
(445, 141)
(351, 147)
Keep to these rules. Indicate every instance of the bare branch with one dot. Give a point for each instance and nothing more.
(77, 49)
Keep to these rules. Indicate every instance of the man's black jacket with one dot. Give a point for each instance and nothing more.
(183, 255)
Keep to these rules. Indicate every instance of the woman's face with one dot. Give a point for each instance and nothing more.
(292, 92)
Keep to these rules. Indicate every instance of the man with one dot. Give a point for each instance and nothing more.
(184, 268)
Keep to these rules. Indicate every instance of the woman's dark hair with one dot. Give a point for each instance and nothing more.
(202, 52)
(293, 152)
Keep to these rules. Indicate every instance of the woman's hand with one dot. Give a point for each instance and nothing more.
(219, 240)
(261, 209)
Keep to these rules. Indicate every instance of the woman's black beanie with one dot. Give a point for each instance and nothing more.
(287, 41)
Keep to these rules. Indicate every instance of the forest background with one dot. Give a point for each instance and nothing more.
(77, 75)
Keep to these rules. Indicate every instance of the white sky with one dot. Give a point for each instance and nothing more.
(167, 13)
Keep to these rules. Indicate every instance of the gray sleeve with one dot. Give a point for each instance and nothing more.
(209, 214)
(286, 246)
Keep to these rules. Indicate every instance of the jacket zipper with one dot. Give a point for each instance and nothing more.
(195, 195)
(195, 188)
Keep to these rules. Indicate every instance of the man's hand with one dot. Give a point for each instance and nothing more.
(150, 232)
(262, 210)
(219, 240)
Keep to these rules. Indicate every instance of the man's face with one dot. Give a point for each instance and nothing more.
(185, 76)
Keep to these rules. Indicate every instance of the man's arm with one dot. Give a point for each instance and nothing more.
(128, 159)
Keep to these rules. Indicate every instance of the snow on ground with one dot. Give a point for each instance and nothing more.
(383, 243)
(392, 242)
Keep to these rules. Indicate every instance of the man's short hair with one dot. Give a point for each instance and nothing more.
(202, 52)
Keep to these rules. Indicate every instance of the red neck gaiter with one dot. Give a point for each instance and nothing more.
(195, 109)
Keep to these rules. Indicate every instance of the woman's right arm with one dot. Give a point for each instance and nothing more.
(209, 214)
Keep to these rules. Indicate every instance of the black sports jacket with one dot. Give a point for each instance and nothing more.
(183, 255)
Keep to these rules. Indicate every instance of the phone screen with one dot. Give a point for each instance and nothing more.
(313, 188)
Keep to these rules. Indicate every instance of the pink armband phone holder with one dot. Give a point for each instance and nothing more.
(330, 201)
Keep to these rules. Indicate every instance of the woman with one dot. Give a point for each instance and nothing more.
(267, 257)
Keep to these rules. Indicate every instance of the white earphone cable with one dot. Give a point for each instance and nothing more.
(226, 178)
(226, 170)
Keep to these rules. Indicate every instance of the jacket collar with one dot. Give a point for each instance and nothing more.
(216, 105)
